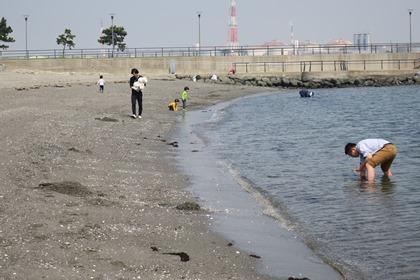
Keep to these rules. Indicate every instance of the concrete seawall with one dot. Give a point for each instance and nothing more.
(221, 64)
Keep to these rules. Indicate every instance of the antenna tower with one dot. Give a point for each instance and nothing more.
(233, 26)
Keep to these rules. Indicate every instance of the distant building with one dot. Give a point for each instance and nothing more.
(274, 47)
(361, 40)
(309, 47)
(339, 46)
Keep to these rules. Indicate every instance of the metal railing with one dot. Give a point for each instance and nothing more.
(212, 51)
(326, 65)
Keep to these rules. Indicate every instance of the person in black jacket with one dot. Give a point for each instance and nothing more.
(136, 95)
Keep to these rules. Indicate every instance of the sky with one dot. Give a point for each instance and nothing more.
(168, 23)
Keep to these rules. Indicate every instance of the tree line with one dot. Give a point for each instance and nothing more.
(112, 36)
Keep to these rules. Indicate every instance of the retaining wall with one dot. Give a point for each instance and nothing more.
(214, 64)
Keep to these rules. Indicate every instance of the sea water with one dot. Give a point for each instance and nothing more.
(291, 150)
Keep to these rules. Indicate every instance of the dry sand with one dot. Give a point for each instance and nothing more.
(86, 192)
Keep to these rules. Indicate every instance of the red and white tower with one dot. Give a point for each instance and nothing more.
(233, 26)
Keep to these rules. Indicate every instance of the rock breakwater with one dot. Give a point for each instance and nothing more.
(312, 80)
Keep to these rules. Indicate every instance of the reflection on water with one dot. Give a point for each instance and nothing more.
(387, 186)
(292, 148)
(384, 184)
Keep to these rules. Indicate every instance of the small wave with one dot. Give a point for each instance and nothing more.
(279, 212)
(269, 206)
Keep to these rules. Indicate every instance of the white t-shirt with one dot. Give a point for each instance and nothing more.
(101, 82)
(370, 146)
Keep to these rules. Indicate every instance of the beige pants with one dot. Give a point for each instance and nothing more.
(384, 157)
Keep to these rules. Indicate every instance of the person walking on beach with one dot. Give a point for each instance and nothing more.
(101, 84)
(184, 97)
(372, 152)
(136, 93)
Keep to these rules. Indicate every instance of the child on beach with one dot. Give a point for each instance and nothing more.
(184, 97)
(372, 152)
(101, 84)
(173, 106)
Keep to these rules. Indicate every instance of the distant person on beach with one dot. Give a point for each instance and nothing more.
(173, 106)
(184, 97)
(101, 84)
(137, 84)
(372, 152)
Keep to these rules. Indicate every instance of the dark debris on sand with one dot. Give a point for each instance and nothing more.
(189, 206)
(184, 256)
(107, 119)
(66, 187)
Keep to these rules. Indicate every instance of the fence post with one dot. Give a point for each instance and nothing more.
(382, 65)
(246, 67)
(265, 67)
(322, 66)
(364, 64)
(81, 53)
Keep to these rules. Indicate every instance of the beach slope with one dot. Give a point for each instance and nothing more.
(89, 193)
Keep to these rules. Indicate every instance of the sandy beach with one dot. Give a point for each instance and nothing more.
(89, 193)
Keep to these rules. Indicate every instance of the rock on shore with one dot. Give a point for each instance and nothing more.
(315, 80)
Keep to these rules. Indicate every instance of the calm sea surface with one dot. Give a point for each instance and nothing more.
(292, 150)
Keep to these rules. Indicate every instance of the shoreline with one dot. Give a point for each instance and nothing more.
(88, 190)
(239, 212)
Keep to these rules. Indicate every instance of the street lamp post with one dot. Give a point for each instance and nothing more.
(112, 34)
(26, 36)
(410, 11)
(199, 32)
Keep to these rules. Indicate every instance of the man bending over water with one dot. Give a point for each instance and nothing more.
(372, 152)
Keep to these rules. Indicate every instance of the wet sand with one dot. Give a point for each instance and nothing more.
(89, 193)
